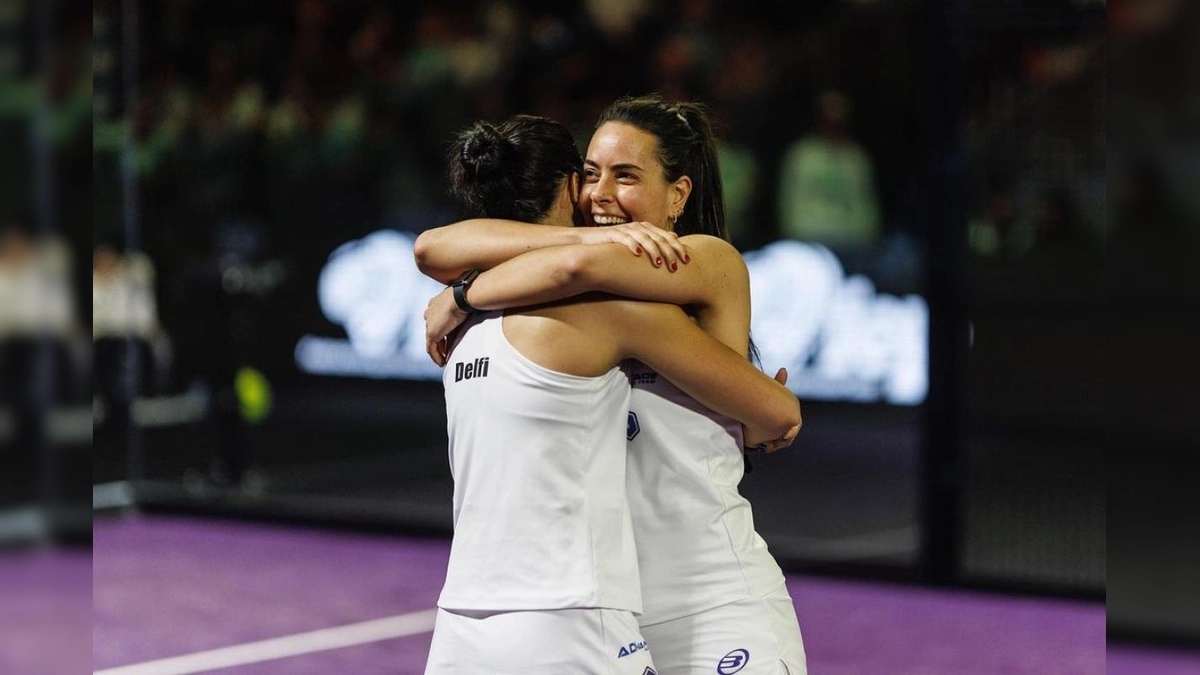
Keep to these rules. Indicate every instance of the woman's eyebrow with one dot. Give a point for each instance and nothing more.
(615, 167)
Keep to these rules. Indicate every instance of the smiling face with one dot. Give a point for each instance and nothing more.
(623, 179)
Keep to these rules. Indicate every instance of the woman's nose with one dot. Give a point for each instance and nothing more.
(602, 192)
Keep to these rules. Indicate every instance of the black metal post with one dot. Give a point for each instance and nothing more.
(944, 205)
(131, 226)
(38, 390)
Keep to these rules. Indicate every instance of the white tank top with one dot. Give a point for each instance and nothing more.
(538, 459)
(697, 548)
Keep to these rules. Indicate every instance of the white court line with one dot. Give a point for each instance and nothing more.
(283, 647)
(118, 494)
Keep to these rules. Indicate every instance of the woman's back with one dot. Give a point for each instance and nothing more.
(536, 456)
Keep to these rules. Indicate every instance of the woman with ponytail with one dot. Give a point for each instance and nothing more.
(714, 597)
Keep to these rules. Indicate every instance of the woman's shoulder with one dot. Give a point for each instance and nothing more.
(714, 249)
(708, 242)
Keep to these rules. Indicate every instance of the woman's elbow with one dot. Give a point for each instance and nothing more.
(788, 415)
(425, 256)
(423, 251)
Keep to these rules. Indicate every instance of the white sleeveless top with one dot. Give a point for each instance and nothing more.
(538, 459)
(697, 548)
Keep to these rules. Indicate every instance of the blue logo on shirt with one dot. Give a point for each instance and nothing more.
(733, 662)
(631, 648)
(632, 428)
(643, 378)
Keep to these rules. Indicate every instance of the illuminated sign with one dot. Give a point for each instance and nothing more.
(372, 288)
(837, 336)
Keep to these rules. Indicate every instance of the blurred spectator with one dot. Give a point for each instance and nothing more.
(311, 52)
(123, 295)
(616, 19)
(742, 85)
(163, 116)
(676, 69)
(740, 89)
(698, 23)
(997, 231)
(231, 109)
(37, 317)
(827, 193)
(35, 287)
(1058, 223)
(124, 308)
(1142, 200)
(740, 173)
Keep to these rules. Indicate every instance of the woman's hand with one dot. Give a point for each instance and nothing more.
(442, 318)
(661, 247)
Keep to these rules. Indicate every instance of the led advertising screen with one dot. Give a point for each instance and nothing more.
(839, 338)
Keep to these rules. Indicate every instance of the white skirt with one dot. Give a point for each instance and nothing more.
(755, 636)
(549, 642)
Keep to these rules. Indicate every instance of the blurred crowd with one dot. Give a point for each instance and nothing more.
(268, 133)
(313, 121)
(316, 120)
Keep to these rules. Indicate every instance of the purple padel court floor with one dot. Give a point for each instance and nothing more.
(180, 596)
(44, 617)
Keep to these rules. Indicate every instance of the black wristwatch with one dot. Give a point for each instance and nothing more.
(460, 286)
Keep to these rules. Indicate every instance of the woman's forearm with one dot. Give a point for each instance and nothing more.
(560, 272)
(664, 338)
(444, 253)
(533, 278)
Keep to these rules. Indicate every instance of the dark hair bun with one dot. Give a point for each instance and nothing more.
(513, 170)
(483, 149)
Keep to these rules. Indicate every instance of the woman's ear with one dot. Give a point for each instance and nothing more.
(573, 187)
(680, 191)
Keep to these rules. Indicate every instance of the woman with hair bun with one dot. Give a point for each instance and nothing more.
(543, 573)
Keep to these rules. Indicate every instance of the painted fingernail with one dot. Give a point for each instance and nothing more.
(687, 259)
(658, 261)
(674, 266)
(639, 250)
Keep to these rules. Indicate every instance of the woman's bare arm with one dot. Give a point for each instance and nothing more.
(664, 338)
(551, 274)
(445, 253)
